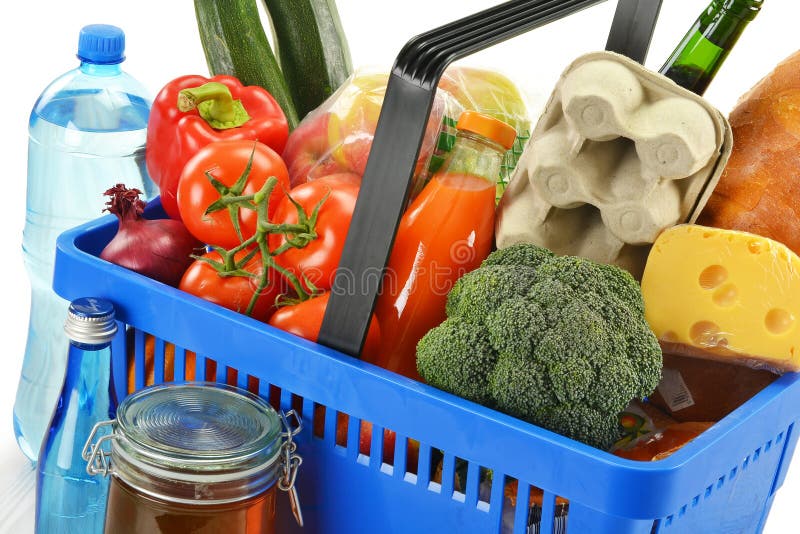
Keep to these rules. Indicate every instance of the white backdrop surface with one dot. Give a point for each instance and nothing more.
(39, 41)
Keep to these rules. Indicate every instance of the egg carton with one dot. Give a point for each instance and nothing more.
(619, 154)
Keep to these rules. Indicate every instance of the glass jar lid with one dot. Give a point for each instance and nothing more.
(200, 426)
(194, 442)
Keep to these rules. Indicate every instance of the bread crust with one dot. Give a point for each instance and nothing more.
(759, 191)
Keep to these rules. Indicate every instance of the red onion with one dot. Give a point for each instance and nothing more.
(160, 249)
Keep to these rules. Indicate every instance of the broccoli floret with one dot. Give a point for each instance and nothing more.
(584, 276)
(455, 357)
(516, 326)
(552, 298)
(616, 382)
(518, 385)
(564, 345)
(643, 349)
(525, 254)
(594, 427)
(570, 351)
(519, 388)
(478, 293)
(637, 342)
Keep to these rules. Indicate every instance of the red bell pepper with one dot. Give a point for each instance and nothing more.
(190, 113)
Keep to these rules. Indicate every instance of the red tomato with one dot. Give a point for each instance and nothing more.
(226, 161)
(305, 320)
(234, 292)
(318, 260)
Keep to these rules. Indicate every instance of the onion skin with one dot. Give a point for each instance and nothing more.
(160, 249)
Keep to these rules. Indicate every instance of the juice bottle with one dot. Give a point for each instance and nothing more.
(446, 232)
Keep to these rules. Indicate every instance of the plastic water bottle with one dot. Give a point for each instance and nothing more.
(68, 499)
(87, 132)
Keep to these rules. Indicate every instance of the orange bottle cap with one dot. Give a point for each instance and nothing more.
(489, 127)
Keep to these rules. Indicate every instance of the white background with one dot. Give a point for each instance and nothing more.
(39, 40)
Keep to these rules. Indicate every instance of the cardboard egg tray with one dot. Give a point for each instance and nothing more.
(619, 154)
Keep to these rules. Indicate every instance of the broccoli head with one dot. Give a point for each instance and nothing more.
(561, 342)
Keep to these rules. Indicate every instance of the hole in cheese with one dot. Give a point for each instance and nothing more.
(755, 246)
(778, 321)
(713, 276)
(726, 295)
(669, 336)
(705, 334)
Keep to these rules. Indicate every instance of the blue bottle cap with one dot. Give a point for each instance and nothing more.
(91, 308)
(101, 44)
(90, 321)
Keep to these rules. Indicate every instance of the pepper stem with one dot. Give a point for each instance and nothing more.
(215, 104)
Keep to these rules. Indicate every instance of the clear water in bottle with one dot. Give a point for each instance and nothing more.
(87, 132)
(68, 499)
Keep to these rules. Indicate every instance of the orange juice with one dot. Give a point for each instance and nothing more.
(447, 231)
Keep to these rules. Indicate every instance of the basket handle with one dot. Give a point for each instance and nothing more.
(632, 28)
(398, 137)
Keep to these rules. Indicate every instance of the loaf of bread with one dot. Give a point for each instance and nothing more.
(760, 188)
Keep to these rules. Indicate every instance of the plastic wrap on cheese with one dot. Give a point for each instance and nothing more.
(724, 295)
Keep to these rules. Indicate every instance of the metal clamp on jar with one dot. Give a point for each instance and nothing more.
(195, 454)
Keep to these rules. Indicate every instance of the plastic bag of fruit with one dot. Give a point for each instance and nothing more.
(337, 136)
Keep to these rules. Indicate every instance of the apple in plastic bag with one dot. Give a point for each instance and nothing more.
(308, 154)
(337, 136)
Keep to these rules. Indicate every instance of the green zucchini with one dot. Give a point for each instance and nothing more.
(235, 43)
(311, 47)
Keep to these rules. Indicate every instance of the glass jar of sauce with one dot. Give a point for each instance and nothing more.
(195, 457)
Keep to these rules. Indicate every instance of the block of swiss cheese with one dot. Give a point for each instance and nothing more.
(725, 295)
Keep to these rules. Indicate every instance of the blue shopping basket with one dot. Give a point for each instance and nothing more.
(452, 458)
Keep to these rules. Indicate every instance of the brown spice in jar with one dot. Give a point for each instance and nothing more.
(131, 512)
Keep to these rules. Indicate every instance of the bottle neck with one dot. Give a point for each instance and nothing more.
(474, 155)
(84, 347)
(94, 69)
(724, 20)
(88, 377)
(701, 53)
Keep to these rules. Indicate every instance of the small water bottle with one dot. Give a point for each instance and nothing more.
(68, 499)
(87, 132)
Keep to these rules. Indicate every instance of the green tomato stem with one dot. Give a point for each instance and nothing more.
(302, 233)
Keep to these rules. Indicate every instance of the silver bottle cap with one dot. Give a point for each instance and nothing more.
(90, 321)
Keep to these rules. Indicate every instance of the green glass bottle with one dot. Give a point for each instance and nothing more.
(698, 57)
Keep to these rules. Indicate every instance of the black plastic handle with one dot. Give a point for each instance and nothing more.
(632, 28)
(398, 137)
